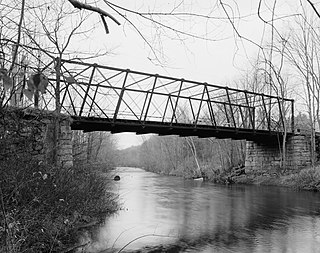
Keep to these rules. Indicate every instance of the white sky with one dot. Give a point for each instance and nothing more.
(212, 62)
(216, 62)
(209, 61)
(126, 140)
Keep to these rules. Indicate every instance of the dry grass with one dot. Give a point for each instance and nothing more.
(41, 206)
(306, 179)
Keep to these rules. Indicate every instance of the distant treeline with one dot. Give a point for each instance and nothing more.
(185, 156)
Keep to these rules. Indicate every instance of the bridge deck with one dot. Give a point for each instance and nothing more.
(182, 129)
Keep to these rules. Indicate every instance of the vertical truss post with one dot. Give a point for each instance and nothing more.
(150, 99)
(292, 116)
(229, 101)
(226, 112)
(199, 110)
(269, 113)
(71, 101)
(193, 115)
(87, 91)
(144, 104)
(212, 118)
(171, 103)
(176, 105)
(242, 117)
(64, 97)
(266, 112)
(65, 93)
(93, 99)
(165, 108)
(69, 95)
(120, 96)
(252, 119)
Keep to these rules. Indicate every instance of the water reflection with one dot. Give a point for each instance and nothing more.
(204, 217)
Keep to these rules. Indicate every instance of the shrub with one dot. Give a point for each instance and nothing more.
(42, 205)
(307, 179)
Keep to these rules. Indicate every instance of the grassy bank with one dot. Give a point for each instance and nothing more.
(305, 179)
(43, 207)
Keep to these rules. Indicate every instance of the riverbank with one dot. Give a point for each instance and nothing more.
(305, 179)
(170, 214)
(45, 208)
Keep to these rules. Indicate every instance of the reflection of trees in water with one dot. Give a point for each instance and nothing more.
(203, 215)
(265, 209)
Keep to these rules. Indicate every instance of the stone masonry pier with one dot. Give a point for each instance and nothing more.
(265, 158)
(48, 138)
(42, 134)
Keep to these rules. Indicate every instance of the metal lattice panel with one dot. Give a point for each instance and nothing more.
(105, 98)
(90, 90)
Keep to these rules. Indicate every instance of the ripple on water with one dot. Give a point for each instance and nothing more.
(188, 216)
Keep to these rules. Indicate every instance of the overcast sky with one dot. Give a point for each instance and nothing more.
(215, 60)
(218, 60)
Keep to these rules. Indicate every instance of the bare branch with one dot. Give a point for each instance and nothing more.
(235, 29)
(159, 23)
(77, 4)
(19, 36)
(138, 31)
(314, 8)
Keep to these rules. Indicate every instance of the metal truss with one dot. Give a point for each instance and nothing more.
(101, 98)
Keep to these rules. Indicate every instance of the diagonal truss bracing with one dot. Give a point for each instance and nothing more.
(93, 92)
(120, 94)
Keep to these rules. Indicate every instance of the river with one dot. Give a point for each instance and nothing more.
(194, 216)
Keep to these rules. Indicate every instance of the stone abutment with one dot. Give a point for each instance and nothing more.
(44, 135)
(48, 138)
(266, 158)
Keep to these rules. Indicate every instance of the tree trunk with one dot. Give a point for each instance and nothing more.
(194, 153)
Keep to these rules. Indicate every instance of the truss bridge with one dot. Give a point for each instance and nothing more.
(101, 98)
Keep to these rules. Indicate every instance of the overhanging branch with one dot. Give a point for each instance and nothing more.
(314, 8)
(77, 4)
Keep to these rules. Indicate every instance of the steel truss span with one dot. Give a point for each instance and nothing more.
(101, 98)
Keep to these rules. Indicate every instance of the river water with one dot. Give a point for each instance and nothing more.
(205, 217)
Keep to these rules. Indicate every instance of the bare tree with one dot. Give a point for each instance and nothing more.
(191, 144)
(94, 148)
(301, 52)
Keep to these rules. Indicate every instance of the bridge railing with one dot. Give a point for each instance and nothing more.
(91, 90)
(107, 93)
